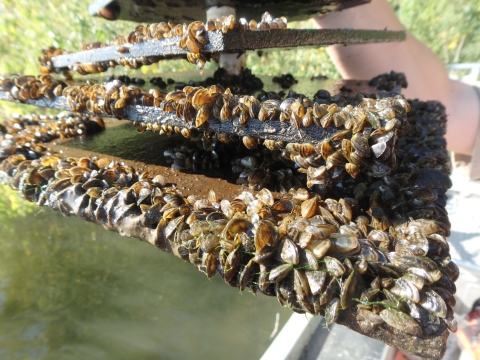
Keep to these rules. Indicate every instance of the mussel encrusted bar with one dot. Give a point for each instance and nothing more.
(326, 139)
(199, 43)
(377, 251)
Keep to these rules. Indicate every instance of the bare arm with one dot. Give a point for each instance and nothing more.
(426, 75)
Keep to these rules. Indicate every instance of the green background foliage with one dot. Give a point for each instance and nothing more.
(451, 29)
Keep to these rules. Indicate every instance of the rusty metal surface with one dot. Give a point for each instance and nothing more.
(189, 10)
(121, 142)
(275, 130)
(232, 41)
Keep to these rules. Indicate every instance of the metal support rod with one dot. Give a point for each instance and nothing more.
(233, 63)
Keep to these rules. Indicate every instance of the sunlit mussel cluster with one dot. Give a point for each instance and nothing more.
(381, 246)
(321, 256)
(363, 142)
(110, 98)
(194, 36)
(357, 138)
(46, 65)
(24, 87)
(191, 36)
(23, 147)
(35, 130)
(314, 255)
(100, 99)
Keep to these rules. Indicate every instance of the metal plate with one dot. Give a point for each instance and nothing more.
(181, 11)
(232, 41)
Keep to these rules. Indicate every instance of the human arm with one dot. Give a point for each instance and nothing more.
(427, 77)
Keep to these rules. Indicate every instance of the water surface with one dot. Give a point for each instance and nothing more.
(71, 290)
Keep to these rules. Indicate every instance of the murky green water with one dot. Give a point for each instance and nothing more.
(70, 290)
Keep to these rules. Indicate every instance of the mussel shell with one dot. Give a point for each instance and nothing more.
(450, 321)
(422, 262)
(334, 266)
(344, 244)
(246, 276)
(432, 302)
(446, 296)
(265, 234)
(300, 283)
(331, 311)
(172, 226)
(404, 288)
(352, 288)
(319, 247)
(307, 260)
(211, 263)
(429, 276)
(316, 280)
(370, 317)
(198, 226)
(360, 144)
(379, 149)
(309, 208)
(289, 252)
(330, 292)
(265, 196)
(400, 321)
(235, 226)
(280, 272)
(209, 243)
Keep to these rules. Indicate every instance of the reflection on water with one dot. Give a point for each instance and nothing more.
(70, 290)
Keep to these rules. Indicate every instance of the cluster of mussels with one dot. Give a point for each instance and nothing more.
(23, 88)
(45, 60)
(99, 99)
(378, 246)
(23, 140)
(22, 135)
(191, 36)
(358, 136)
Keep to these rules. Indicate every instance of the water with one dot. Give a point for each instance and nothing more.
(71, 290)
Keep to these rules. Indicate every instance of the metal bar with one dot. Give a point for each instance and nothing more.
(232, 41)
(274, 130)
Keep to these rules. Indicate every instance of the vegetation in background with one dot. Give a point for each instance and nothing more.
(450, 28)
(13, 206)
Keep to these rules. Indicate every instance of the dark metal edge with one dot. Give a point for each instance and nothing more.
(187, 10)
